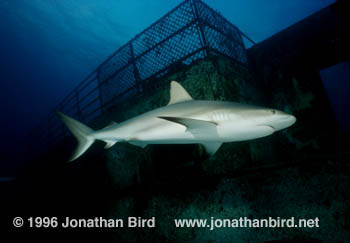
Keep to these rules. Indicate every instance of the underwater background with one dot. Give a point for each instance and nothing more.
(49, 47)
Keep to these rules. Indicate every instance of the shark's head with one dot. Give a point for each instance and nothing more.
(275, 119)
(244, 122)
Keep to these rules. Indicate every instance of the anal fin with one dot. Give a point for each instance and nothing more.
(138, 143)
(211, 147)
(109, 144)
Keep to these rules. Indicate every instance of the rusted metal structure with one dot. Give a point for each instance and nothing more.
(189, 32)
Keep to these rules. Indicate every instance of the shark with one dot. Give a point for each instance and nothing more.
(185, 120)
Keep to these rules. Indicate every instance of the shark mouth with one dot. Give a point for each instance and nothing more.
(264, 125)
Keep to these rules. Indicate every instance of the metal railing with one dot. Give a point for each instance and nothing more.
(189, 32)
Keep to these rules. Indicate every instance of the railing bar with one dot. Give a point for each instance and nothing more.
(87, 84)
(69, 99)
(178, 60)
(119, 95)
(223, 33)
(88, 94)
(92, 112)
(88, 104)
(153, 75)
(77, 87)
(144, 31)
(149, 50)
(227, 22)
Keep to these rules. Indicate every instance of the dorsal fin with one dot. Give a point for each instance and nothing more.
(178, 93)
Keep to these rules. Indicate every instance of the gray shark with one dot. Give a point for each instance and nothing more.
(185, 121)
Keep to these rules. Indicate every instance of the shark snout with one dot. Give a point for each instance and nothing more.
(279, 120)
(283, 120)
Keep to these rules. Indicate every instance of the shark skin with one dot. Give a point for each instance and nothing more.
(185, 121)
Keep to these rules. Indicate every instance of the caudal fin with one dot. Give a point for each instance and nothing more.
(81, 132)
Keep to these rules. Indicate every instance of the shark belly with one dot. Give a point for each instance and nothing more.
(243, 132)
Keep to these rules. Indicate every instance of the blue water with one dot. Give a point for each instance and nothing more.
(48, 47)
(336, 80)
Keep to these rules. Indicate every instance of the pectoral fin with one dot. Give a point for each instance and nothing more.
(200, 129)
(196, 127)
(211, 147)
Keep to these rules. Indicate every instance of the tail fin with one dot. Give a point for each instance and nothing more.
(81, 132)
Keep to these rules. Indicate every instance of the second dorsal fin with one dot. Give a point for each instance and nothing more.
(111, 124)
(178, 93)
